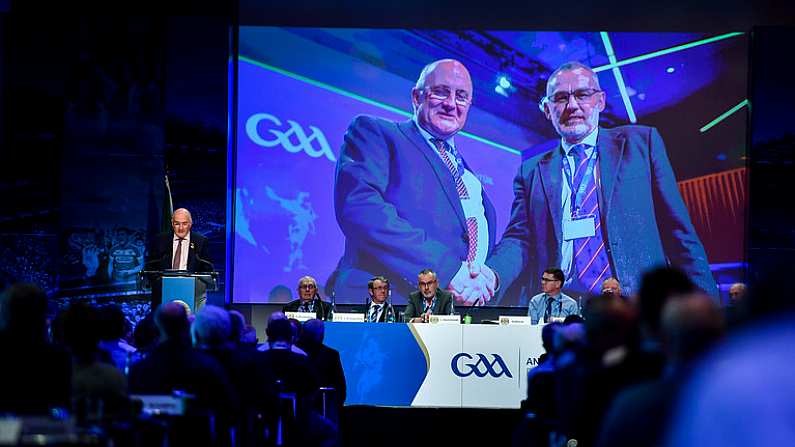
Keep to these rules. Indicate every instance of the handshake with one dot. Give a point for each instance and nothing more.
(473, 285)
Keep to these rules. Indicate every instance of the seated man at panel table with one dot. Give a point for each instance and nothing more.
(309, 300)
(611, 287)
(378, 309)
(430, 299)
(551, 304)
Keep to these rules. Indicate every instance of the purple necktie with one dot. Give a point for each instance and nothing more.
(178, 254)
(590, 257)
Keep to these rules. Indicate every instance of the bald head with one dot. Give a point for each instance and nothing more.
(182, 222)
(691, 324)
(737, 292)
(442, 97)
(611, 286)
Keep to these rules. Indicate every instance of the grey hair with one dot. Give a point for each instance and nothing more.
(211, 327)
(182, 210)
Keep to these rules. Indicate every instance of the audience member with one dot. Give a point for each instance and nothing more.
(238, 323)
(174, 365)
(295, 374)
(211, 334)
(737, 293)
(36, 375)
(293, 334)
(98, 386)
(248, 338)
(612, 287)
(540, 392)
(639, 415)
(326, 361)
(113, 329)
(740, 394)
(592, 367)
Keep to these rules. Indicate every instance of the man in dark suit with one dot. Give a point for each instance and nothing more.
(295, 374)
(181, 249)
(379, 309)
(325, 361)
(36, 375)
(405, 198)
(174, 364)
(603, 203)
(309, 300)
(429, 300)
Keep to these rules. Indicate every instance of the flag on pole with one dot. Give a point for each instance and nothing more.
(168, 208)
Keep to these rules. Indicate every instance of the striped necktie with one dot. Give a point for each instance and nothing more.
(374, 312)
(455, 169)
(591, 263)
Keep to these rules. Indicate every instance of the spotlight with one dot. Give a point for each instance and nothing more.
(670, 70)
(504, 82)
(501, 91)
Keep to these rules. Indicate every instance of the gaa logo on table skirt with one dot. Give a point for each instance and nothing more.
(464, 365)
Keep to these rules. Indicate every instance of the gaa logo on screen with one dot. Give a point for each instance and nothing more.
(303, 142)
(464, 365)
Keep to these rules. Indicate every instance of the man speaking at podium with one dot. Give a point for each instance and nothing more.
(181, 249)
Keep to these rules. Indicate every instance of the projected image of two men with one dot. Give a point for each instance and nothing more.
(487, 157)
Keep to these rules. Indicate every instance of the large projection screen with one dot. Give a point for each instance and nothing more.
(298, 90)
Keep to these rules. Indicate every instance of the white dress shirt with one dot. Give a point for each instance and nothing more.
(183, 258)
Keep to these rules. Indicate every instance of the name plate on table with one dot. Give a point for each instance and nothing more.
(444, 319)
(348, 317)
(301, 316)
(160, 404)
(512, 320)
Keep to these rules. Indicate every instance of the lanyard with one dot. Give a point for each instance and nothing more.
(579, 193)
(426, 306)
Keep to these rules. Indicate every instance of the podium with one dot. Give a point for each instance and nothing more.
(178, 285)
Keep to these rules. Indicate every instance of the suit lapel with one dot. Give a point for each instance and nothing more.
(551, 175)
(190, 246)
(168, 244)
(611, 151)
(439, 169)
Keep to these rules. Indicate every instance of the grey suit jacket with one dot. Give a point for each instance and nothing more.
(646, 221)
(442, 306)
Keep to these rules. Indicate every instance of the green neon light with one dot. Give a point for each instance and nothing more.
(366, 100)
(622, 88)
(654, 54)
(723, 116)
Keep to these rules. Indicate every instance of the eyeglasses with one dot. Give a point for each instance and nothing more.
(381, 288)
(580, 96)
(441, 93)
(427, 284)
(547, 279)
(307, 286)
